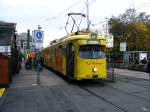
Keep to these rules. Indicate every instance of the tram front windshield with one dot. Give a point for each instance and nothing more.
(91, 51)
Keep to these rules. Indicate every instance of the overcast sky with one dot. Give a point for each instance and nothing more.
(51, 14)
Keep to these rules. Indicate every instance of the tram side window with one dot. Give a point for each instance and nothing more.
(91, 51)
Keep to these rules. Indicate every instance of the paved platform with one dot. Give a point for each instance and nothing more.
(25, 95)
(131, 73)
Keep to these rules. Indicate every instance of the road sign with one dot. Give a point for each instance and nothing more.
(38, 36)
(109, 41)
(122, 46)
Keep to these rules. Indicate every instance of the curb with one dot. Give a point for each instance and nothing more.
(2, 90)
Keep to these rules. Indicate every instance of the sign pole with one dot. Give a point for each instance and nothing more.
(38, 67)
(123, 49)
(110, 43)
(38, 38)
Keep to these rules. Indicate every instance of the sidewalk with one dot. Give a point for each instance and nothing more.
(28, 78)
(24, 95)
(131, 73)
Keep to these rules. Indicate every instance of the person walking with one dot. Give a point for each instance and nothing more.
(41, 62)
(148, 68)
(35, 63)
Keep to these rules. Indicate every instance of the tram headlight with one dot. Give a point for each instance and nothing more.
(94, 69)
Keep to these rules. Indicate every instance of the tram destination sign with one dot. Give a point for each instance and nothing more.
(93, 42)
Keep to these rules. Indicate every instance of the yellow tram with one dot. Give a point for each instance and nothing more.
(78, 56)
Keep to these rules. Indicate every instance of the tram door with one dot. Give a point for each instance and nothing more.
(70, 60)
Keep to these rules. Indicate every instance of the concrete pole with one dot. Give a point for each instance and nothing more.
(88, 21)
(28, 39)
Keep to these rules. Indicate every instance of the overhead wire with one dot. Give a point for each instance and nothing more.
(91, 2)
(70, 7)
(82, 10)
(143, 5)
(99, 23)
(138, 7)
(73, 5)
(61, 13)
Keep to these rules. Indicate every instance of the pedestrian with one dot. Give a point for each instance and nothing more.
(20, 61)
(41, 62)
(148, 68)
(35, 63)
(28, 63)
(144, 61)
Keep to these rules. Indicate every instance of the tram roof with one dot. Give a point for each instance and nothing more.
(75, 36)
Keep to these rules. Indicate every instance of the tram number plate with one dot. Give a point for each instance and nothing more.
(95, 76)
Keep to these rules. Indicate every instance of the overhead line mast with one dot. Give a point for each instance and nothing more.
(88, 21)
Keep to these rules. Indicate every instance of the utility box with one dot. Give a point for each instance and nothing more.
(4, 70)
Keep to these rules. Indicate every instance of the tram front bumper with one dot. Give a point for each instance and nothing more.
(94, 76)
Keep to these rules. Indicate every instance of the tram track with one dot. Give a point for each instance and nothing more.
(103, 99)
(120, 102)
(92, 88)
(128, 93)
(133, 78)
(120, 107)
(128, 79)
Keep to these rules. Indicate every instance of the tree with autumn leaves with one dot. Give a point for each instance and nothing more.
(132, 27)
